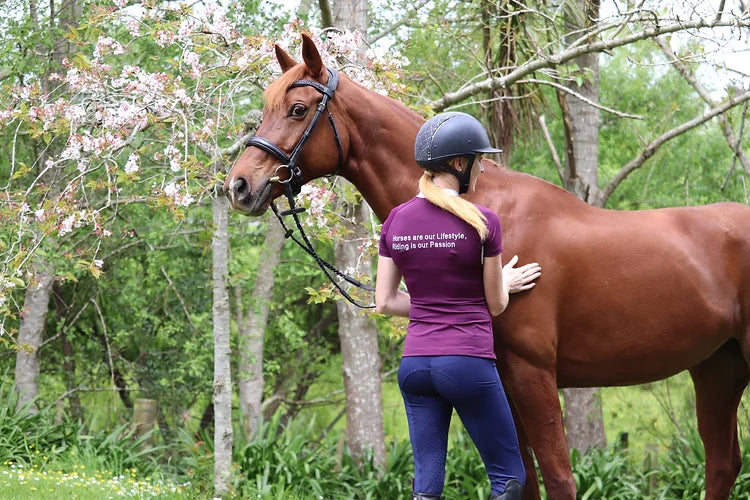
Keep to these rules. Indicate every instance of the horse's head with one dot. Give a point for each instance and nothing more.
(297, 130)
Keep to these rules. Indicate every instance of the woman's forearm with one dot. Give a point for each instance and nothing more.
(396, 304)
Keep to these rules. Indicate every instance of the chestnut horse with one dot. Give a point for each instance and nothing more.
(626, 297)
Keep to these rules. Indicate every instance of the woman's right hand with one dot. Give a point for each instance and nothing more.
(519, 279)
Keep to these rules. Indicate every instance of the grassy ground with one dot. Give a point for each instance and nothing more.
(20, 483)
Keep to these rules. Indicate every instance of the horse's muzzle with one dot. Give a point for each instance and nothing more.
(242, 198)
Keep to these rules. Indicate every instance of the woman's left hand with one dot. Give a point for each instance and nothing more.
(519, 279)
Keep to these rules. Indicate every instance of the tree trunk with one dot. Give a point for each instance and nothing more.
(251, 325)
(69, 372)
(584, 424)
(357, 332)
(36, 300)
(584, 421)
(30, 332)
(497, 22)
(361, 359)
(351, 14)
(223, 435)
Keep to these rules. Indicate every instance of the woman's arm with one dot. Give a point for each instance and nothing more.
(500, 281)
(495, 287)
(388, 298)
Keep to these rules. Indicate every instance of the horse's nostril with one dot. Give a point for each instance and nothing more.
(240, 186)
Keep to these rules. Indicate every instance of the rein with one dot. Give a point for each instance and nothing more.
(293, 184)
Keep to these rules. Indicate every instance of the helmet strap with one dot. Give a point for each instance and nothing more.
(464, 178)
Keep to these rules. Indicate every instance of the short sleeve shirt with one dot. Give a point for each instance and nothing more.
(440, 257)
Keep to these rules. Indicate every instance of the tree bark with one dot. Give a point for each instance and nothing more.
(251, 325)
(30, 332)
(36, 300)
(360, 356)
(69, 371)
(584, 421)
(357, 332)
(351, 14)
(222, 399)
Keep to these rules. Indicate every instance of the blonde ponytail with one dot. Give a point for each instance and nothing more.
(464, 210)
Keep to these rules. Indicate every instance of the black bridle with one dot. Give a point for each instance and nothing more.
(293, 184)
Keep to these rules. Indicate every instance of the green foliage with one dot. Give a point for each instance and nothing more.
(299, 461)
(606, 474)
(36, 439)
(27, 437)
(291, 462)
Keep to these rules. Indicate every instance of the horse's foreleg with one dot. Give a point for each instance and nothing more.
(531, 489)
(534, 391)
(719, 382)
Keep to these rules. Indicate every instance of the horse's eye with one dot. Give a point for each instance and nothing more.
(297, 110)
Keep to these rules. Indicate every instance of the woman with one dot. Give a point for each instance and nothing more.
(448, 252)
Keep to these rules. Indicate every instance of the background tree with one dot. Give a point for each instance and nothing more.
(357, 331)
(62, 17)
(584, 422)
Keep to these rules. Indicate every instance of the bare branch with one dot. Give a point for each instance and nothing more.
(406, 19)
(651, 148)
(564, 56)
(106, 339)
(581, 98)
(552, 149)
(734, 142)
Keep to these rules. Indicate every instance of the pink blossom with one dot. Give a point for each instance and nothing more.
(184, 200)
(165, 38)
(67, 225)
(182, 96)
(75, 114)
(6, 115)
(187, 26)
(134, 26)
(171, 189)
(132, 165)
(173, 155)
(107, 45)
(73, 149)
(220, 25)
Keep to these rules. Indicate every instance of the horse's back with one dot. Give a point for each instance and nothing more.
(655, 289)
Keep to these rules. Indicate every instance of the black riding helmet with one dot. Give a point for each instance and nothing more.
(451, 135)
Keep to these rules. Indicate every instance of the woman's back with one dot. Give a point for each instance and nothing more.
(440, 257)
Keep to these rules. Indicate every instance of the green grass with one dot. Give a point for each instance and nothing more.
(19, 483)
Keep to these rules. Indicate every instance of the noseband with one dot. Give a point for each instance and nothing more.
(293, 184)
(295, 174)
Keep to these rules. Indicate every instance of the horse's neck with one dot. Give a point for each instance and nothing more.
(380, 161)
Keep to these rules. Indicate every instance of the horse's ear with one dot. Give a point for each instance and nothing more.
(311, 56)
(285, 60)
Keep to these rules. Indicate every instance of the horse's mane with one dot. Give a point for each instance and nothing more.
(274, 94)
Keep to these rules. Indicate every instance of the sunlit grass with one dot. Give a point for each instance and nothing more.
(23, 482)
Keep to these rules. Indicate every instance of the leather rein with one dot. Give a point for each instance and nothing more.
(293, 184)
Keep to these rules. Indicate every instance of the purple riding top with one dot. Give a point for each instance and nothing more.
(440, 257)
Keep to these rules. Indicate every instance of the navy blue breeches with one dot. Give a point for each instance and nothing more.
(432, 386)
